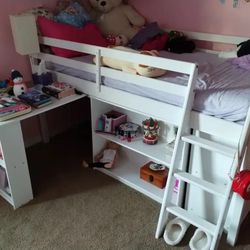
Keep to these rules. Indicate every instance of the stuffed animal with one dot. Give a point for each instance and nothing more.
(19, 87)
(120, 40)
(131, 67)
(106, 158)
(116, 18)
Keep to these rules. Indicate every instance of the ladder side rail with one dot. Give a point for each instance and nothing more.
(243, 140)
(186, 109)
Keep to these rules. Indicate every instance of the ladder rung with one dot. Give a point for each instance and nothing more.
(203, 184)
(210, 145)
(192, 219)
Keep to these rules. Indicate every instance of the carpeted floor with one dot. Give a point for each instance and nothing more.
(78, 208)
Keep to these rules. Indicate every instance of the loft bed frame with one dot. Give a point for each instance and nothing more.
(219, 129)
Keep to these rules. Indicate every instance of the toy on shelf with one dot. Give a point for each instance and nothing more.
(150, 131)
(110, 121)
(19, 86)
(106, 158)
(128, 131)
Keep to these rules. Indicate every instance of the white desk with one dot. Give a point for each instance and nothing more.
(14, 159)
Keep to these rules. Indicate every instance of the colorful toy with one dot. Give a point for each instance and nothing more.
(19, 86)
(128, 131)
(150, 131)
(241, 184)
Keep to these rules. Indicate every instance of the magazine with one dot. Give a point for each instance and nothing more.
(35, 98)
(10, 107)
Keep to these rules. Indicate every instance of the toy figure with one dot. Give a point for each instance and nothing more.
(19, 86)
(106, 158)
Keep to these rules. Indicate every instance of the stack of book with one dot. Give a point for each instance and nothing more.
(59, 89)
(10, 107)
(35, 98)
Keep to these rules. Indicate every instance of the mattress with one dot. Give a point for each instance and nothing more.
(222, 89)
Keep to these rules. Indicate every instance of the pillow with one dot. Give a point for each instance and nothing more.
(74, 14)
(89, 34)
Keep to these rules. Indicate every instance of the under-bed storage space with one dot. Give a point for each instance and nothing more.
(131, 154)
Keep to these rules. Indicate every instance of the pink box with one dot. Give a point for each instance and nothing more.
(112, 120)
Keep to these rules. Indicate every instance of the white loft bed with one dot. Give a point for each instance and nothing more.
(103, 97)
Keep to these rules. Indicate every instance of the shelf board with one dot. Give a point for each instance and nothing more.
(55, 104)
(6, 196)
(128, 173)
(159, 152)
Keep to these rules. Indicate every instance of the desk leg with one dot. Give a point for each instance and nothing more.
(44, 128)
(17, 170)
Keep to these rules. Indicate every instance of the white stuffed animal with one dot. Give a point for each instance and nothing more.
(131, 67)
(116, 18)
(19, 87)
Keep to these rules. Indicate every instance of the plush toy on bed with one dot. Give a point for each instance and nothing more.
(131, 67)
(114, 17)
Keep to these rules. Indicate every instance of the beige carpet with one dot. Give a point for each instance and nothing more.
(77, 208)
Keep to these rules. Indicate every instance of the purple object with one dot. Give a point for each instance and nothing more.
(243, 62)
(43, 79)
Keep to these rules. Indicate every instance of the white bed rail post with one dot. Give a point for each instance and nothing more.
(98, 69)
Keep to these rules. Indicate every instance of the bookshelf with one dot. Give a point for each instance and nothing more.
(131, 155)
(13, 156)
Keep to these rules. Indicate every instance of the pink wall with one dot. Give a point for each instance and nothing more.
(9, 59)
(196, 15)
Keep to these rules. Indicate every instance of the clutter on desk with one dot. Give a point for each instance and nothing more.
(35, 98)
(58, 89)
(11, 107)
(42, 76)
(19, 87)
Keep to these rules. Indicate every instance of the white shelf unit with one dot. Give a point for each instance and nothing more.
(13, 156)
(132, 155)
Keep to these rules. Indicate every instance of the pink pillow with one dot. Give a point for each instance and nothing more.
(89, 34)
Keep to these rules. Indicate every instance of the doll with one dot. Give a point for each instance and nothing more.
(19, 87)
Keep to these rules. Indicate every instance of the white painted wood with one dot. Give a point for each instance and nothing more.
(211, 125)
(158, 152)
(227, 39)
(128, 172)
(55, 103)
(193, 219)
(16, 164)
(14, 156)
(210, 145)
(204, 185)
(6, 196)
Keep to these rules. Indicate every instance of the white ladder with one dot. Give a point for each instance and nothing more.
(177, 170)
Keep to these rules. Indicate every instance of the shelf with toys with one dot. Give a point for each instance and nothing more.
(132, 151)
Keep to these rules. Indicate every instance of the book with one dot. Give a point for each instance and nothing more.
(10, 107)
(59, 89)
(35, 98)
